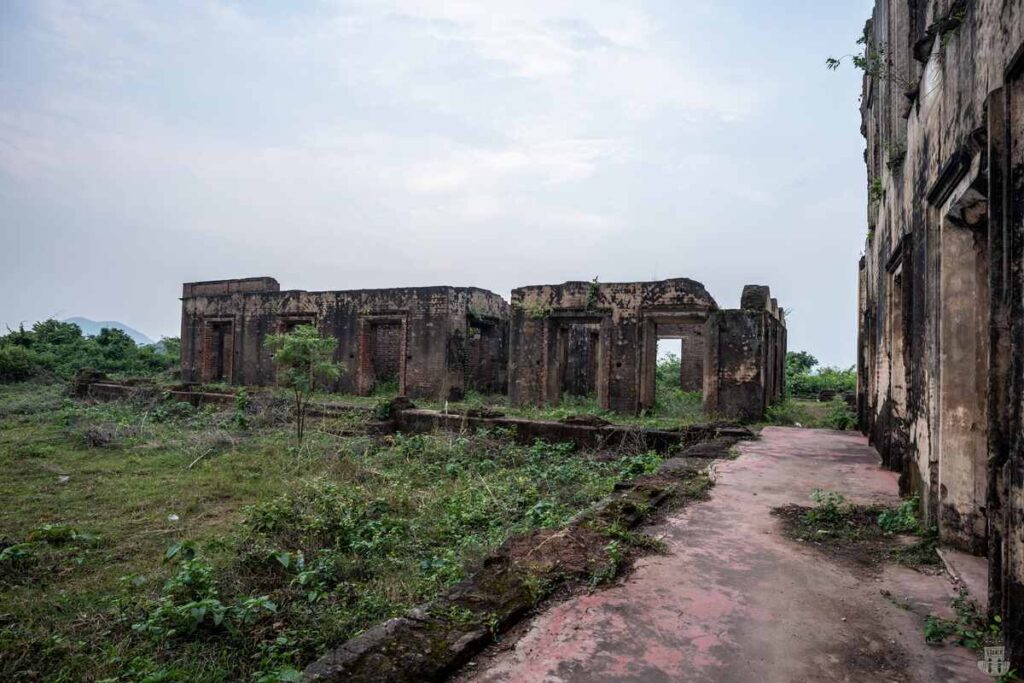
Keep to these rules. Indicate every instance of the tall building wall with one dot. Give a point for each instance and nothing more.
(940, 286)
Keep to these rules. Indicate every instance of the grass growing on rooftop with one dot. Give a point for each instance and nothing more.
(149, 540)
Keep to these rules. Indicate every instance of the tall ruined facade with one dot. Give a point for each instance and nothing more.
(601, 340)
(579, 338)
(423, 342)
(941, 300)
(745, 357)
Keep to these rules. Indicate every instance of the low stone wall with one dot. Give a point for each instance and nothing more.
(581, 435)
(113, 391)
(595, 435)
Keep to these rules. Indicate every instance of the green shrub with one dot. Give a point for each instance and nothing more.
(62, 349)
(902, 519)
(831, 510)
(786, 412)
(17, 364)
(840, 416)
(667, 372)
(803, 380)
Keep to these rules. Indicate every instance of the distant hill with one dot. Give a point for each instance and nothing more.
(92, 328)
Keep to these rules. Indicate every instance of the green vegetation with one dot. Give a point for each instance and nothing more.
(670, 401)
(867, 530)
(970, 628)
(536, 311)
(302, 360)
(876, 190)
(59, 349)
(150, 540)
(805, 379)
(901, 520)
(835, 414)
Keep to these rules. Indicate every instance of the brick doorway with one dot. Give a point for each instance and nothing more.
(382, 354)
(218, 351)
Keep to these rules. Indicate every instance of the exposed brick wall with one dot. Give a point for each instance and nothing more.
(691, 359)
(385, 351)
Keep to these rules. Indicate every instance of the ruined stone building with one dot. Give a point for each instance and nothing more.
(579, 338)
(601, 339)
(745, 356)
(941, 328)
(431, 342)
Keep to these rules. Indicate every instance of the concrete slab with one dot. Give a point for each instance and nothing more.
(970, 571)
(734, 599)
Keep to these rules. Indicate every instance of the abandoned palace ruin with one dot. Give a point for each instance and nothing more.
(941, 328)
(425, 342)
(578, 338)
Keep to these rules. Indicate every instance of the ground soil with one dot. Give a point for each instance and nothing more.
(735, 598)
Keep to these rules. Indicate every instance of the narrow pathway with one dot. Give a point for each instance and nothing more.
(735, 600)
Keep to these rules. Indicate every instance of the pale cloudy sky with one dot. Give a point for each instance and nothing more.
(373, 143)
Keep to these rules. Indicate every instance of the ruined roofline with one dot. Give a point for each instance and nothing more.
(681, 285)
(272, 287)
(587, 283)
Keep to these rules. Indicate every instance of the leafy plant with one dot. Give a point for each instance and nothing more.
(902, 519)
(239, 416)
(189, 603)
(610, 568)
(536, 310)
(593, 289)
(831, 512)
(971, 628)
(876, 190)
(61, 349)
(303, 359)
(17, 363)
(873, 60)
(806, 379)
(839, 415)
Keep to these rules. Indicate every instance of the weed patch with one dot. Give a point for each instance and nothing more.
(864, 534)
(278, 550)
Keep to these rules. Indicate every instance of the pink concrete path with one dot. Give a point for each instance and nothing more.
(735, 600)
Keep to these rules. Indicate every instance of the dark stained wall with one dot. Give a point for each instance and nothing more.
(615, 324)
(940, 338)
(745, 357)
(413, 336)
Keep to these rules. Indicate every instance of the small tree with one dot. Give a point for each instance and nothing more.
(303, 359)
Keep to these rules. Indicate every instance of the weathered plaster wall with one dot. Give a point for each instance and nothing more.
(940, 338)
(436, 342)
(617, 323)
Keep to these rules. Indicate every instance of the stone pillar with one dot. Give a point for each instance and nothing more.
(734, 374)
(744, 357)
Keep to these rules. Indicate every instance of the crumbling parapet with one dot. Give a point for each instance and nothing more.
(598, 339)
(745, 356)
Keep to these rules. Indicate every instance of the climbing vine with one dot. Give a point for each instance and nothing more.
(592, 293)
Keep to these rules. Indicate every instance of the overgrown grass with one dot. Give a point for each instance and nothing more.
(278, 551)
(835, 414)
